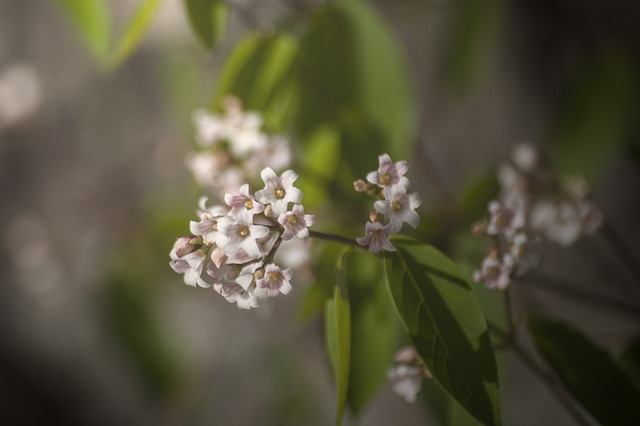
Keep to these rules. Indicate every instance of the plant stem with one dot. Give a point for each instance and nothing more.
(537, 280)
(334, 238)
(542, 374)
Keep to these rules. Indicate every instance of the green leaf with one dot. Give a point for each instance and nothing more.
(323, 287)
(338, 336)
(599, 112)
(258, 72)
(135, 31)
(208, 19)
(446, 325)
(321, 157)
(373, 329)
(345, 55)
(587, 370)
(90, 20)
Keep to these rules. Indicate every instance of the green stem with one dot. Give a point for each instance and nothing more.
(542, 374)
(335, 238)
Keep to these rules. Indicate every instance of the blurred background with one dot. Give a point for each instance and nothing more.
(95, 328)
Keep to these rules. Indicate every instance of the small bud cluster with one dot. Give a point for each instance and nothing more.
(232, 247)
(556, 208)
(408, 373)
(393, 205)
(233, 147)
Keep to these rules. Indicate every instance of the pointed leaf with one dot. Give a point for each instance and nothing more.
(446, 325)
(208, 19)
(587, 370)
(135, 31)
(373, 329)
(90, 20)
(338, 336)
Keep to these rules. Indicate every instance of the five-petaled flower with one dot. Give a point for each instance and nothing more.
(279, 190)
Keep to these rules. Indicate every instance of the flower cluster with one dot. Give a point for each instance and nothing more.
(512, 251)
(407, 375)
(232, 246)
(532, 198)
(556, 208)
(393, 205)
(233, 147)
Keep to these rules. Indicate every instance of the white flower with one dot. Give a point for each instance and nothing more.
(503, 220)
(207, 227)
(243, 200)
(407, 377)
(210, 128)
(526, 157)
(559, 222)
(273, 282)
(399, 207)
(389, 174)
(406, 381)
(279, 191)
(295, 223)
(494, 273)
(376, 237)
(189, 259)
(275, 153)
(526, 254)
(242, 234)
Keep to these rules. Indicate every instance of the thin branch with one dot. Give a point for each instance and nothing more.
(335, 238)
(542, 374)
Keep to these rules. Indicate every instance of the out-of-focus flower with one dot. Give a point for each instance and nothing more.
(188, 258)
(495, 271)
(20, 93)
(408, 374)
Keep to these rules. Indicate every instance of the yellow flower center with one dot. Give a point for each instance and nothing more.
(274, 276)
(280, 193)
(292, 219)
(243, 230)
(395, 206)
(248, 204)
(385, 179)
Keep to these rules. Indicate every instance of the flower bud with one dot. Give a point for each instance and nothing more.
(375, 216)
(360, 186)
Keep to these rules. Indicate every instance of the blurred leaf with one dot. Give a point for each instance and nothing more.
(587, 371)
(446, 325)
(476, 197)
(338, 336)
(600, 110)
(208, 19)
(257, 72)
(477, 27)
(322, 156)
(373, 328)
(477, 33)
(630, 360)
(90, 20)
(437, 400)
(323, 287)
(345, 56)
(134, 32)
(129, 316)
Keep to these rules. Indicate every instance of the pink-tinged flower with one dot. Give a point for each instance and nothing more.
(243, 200)
(275, 153)
(559, 222)
(408, 375)
(376, 236)
(210, 128)
(389, 174)
(399, 207)
(189, 259)
(273, 281)
(247, 299)
(503, 220)
(279, 191)
(242, 234)
(526, 254)
(296, 223)
(495, 272)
